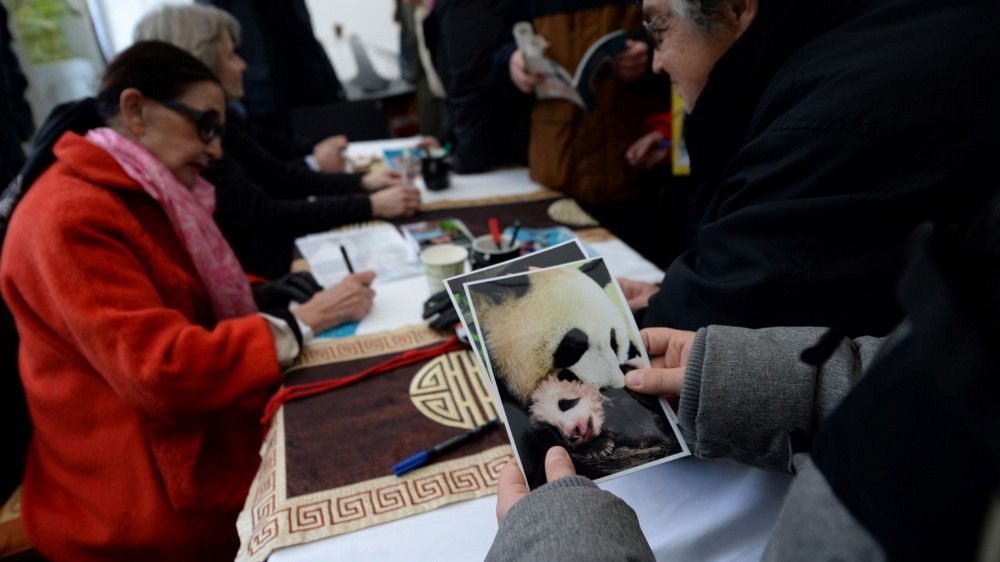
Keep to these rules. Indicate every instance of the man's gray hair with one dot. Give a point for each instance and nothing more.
(193, 27)
(700, 15)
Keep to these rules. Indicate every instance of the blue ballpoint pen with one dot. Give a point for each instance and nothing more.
(423, 457)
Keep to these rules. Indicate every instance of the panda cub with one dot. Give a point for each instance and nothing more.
(575, 331)
(573, 408)
(602, 434)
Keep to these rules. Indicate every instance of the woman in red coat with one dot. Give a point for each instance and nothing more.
(144, 359)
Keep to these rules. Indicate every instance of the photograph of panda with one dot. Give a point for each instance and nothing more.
(558, 343)
(562, 253)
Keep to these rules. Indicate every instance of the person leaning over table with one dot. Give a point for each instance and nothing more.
(820, 133)
(901, 464)
(264, 203)
(145, 361)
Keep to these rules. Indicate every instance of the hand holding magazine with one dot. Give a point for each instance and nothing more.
(593, 70)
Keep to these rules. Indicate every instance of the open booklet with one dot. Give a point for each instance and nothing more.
(375, 245)
(593, 70)
(555, 344)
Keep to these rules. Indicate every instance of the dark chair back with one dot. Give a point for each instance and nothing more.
(78, 116)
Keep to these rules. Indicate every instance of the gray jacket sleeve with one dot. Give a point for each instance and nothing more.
(570, 520)
(746, 390)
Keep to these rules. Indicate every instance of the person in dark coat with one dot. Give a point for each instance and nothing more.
(894, 442)
(16, 126)
(288, 67)
(819, 136)
(16, 123)
(485, 130)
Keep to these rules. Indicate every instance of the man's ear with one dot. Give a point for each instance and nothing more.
(132, 111)
(743, 13)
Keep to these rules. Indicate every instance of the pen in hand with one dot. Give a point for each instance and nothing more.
(423, 457)
(347, 260)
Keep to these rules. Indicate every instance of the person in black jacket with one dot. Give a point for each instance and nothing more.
(820, 133)
(264, 203)
(894, 442)
(485, 130)
(16, 123)
(288, 66)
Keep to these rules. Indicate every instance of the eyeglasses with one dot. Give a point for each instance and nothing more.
(208, 122)
(658, 26)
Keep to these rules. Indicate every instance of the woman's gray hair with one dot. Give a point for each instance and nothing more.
(193, 27)
(701, 15)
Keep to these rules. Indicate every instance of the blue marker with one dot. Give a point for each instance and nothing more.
(423, 457)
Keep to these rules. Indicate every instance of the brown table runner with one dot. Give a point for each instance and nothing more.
(326, 461)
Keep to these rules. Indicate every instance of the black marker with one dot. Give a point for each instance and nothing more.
(423, 457)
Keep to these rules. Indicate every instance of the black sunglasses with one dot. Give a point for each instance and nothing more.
(208, 122)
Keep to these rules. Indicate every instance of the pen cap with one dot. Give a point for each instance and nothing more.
(412, 463)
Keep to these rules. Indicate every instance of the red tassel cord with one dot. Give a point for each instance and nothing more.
(289, 393)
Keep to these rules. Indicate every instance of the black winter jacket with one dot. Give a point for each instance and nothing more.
(823, 136)
(263, 204)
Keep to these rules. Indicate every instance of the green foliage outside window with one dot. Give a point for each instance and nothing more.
(39, 24)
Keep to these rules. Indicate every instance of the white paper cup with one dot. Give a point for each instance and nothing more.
(441, 262)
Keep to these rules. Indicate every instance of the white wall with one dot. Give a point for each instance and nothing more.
(120, 17)
(369, 19)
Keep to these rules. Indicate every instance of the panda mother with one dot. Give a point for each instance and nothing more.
(553, 322)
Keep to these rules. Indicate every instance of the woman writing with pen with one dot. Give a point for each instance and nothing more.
(145, 360)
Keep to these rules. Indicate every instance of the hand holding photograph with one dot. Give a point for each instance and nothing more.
(557, 343)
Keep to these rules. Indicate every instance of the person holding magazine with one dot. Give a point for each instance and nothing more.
(145, 360)
(581, 153)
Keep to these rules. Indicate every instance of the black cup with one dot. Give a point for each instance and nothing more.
(434, 170)
(485, 252)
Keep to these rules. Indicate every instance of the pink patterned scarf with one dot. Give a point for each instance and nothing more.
(190, 213)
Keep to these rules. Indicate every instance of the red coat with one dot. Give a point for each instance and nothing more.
(144, 410)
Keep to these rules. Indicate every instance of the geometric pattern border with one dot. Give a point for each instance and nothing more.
(335, 350)
(270, 521)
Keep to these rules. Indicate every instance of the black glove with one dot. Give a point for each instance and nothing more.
(299, 287)
(441, 313)
(444, 320)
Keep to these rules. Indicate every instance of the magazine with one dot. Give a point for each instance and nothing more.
(534, 239)
(429, 233)
(556, 343)
(593, 70)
